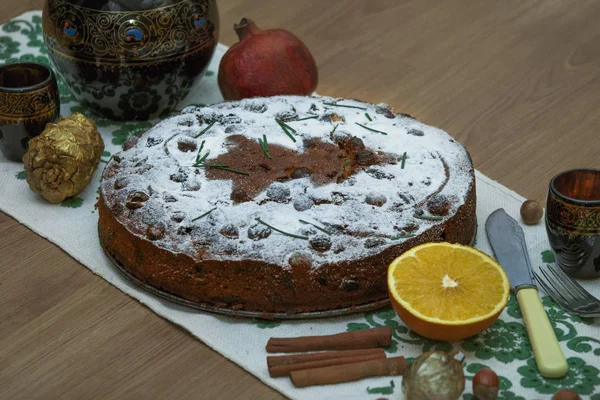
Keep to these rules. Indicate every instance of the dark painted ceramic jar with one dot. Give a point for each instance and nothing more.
(28, 101)
(130, 59)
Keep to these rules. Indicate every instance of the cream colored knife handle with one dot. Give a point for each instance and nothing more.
(548, 355)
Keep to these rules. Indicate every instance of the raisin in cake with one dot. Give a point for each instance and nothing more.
(283, 205)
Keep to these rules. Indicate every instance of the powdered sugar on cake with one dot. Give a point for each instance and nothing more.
(157, 193)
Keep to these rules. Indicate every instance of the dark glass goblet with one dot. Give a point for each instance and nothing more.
(573, 221)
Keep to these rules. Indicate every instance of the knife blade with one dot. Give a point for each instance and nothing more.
(508, 243)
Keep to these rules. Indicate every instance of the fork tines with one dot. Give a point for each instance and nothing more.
(567, 292)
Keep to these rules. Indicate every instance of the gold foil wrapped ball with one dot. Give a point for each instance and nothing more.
(61, 161)
(435, 375)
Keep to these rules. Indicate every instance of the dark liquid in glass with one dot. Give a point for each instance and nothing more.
(573, 222)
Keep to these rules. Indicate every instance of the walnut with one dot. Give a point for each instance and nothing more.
(136, 200)
(302, 203)
(121, 182)
(178, 216)
(278, 192)
(300, 173)
(375, 199)
(365, 157)
(374, 242)
(180, 176)
(155, 232)
(130, 142)
(439, 205)
(153, 141)
(320, 242)
(229, 230)
(186, 144)
(259, 231)
(416, 132)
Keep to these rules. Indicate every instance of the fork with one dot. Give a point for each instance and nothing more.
(567, 293)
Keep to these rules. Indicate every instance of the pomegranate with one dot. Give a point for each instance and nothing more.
(266, 63)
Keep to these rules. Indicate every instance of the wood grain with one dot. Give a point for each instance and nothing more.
(517, 82)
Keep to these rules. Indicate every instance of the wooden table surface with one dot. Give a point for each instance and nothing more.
(517, 82)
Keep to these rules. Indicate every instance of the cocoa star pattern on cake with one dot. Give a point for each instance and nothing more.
(283, 205)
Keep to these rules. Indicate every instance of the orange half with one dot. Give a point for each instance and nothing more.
(446, 291)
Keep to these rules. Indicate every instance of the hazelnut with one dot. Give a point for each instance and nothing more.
(531, 212)
(566, 394)
(486, 385)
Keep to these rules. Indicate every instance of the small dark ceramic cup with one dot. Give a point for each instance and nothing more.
(573, 222)
(28, 101)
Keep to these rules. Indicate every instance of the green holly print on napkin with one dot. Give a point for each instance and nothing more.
(382, 389)
(548, 256)
(582, 344)
(582, 378)
(503, 341)
(33, 31)
(106, 156)
(8, 47)
(72, 202)
(21, 175)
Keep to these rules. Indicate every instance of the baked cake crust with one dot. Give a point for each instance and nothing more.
(371, 184)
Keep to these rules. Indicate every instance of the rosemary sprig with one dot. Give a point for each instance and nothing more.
(316, 226)
(302, 119)
(237, 171)
(205, 129)
(199, 151)
(264, 145)
(285, 128)
(205, 214)
(345, 106)
(334, 128)
(403, 160)
(403, 236)
(368, 117)
(200, 160)
(428, 217)
(370, 129)
(223, 167)
(280, 231)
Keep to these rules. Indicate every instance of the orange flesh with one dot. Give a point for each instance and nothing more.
(449, 284)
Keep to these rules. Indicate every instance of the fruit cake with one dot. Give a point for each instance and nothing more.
(285, 204)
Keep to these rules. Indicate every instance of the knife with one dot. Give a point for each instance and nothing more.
(508, 242)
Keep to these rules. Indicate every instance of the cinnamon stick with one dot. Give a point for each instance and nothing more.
(366, 338)
(348, 372)
(273, 361)
(284, 370)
